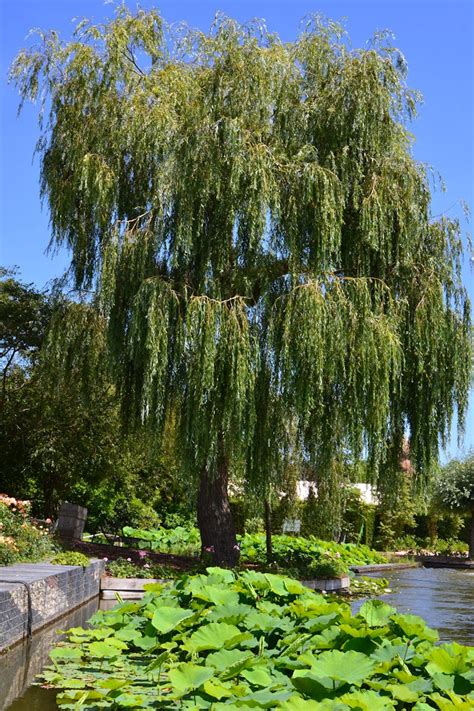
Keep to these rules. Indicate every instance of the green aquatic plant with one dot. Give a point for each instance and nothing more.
(223, 640)
(363, 586)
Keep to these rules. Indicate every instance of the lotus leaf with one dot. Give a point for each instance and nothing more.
(166, 619)
(376, 613)
(212, 636)
(187, 677)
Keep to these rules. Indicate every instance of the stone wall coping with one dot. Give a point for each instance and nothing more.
(32, 595)
(29, 572)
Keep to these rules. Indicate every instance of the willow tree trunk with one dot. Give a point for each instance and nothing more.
(214, 516)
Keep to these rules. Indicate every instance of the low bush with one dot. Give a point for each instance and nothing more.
(71, 558)
(20, 539)
(252, 641)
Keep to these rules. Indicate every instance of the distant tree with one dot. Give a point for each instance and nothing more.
(24, 315)
(259, 241)
(454, 489)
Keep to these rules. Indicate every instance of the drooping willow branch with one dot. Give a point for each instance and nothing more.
(258, 237)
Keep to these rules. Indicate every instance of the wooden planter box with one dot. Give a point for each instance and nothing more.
(127, 588)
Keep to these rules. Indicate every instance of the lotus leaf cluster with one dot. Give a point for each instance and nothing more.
(178, 541)
(223, 640)
(302, 554)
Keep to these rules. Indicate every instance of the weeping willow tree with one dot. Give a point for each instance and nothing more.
(258, 240)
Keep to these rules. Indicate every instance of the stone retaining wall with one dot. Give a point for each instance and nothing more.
(33, 595)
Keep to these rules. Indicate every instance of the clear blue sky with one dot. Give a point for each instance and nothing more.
(436, 37)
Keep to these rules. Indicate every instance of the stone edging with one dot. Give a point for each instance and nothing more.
(33, 595)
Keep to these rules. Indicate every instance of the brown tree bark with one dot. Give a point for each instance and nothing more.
(216, 525)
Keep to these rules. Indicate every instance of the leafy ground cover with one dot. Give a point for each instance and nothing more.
(253, 640)
(21, 540)
(310, 557)
(307, 556)
(361, 586)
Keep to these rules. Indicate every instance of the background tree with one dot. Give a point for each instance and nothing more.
(454, 489)
(24, 314)
(61, 438)
(259, 240)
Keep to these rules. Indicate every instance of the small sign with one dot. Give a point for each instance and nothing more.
(291, 525)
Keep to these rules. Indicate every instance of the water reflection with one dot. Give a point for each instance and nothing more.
(35, 699)
(443, 597)
(20, 665)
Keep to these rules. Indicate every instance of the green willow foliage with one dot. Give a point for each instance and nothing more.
(258, 237)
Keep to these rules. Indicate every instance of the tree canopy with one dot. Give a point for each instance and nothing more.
(454, 490)
(24, 314)
(258, 240)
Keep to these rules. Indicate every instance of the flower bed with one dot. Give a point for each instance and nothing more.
(253, 640)
(21, 541)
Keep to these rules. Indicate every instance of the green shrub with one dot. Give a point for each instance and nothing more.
(326, 568)
(254, 525)
(450, 547)
(71, 558)
(253, 641)
(439, 546)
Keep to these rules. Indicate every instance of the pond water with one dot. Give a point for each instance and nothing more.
(444, 598)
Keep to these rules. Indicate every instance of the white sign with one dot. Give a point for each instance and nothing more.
(291, 525)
